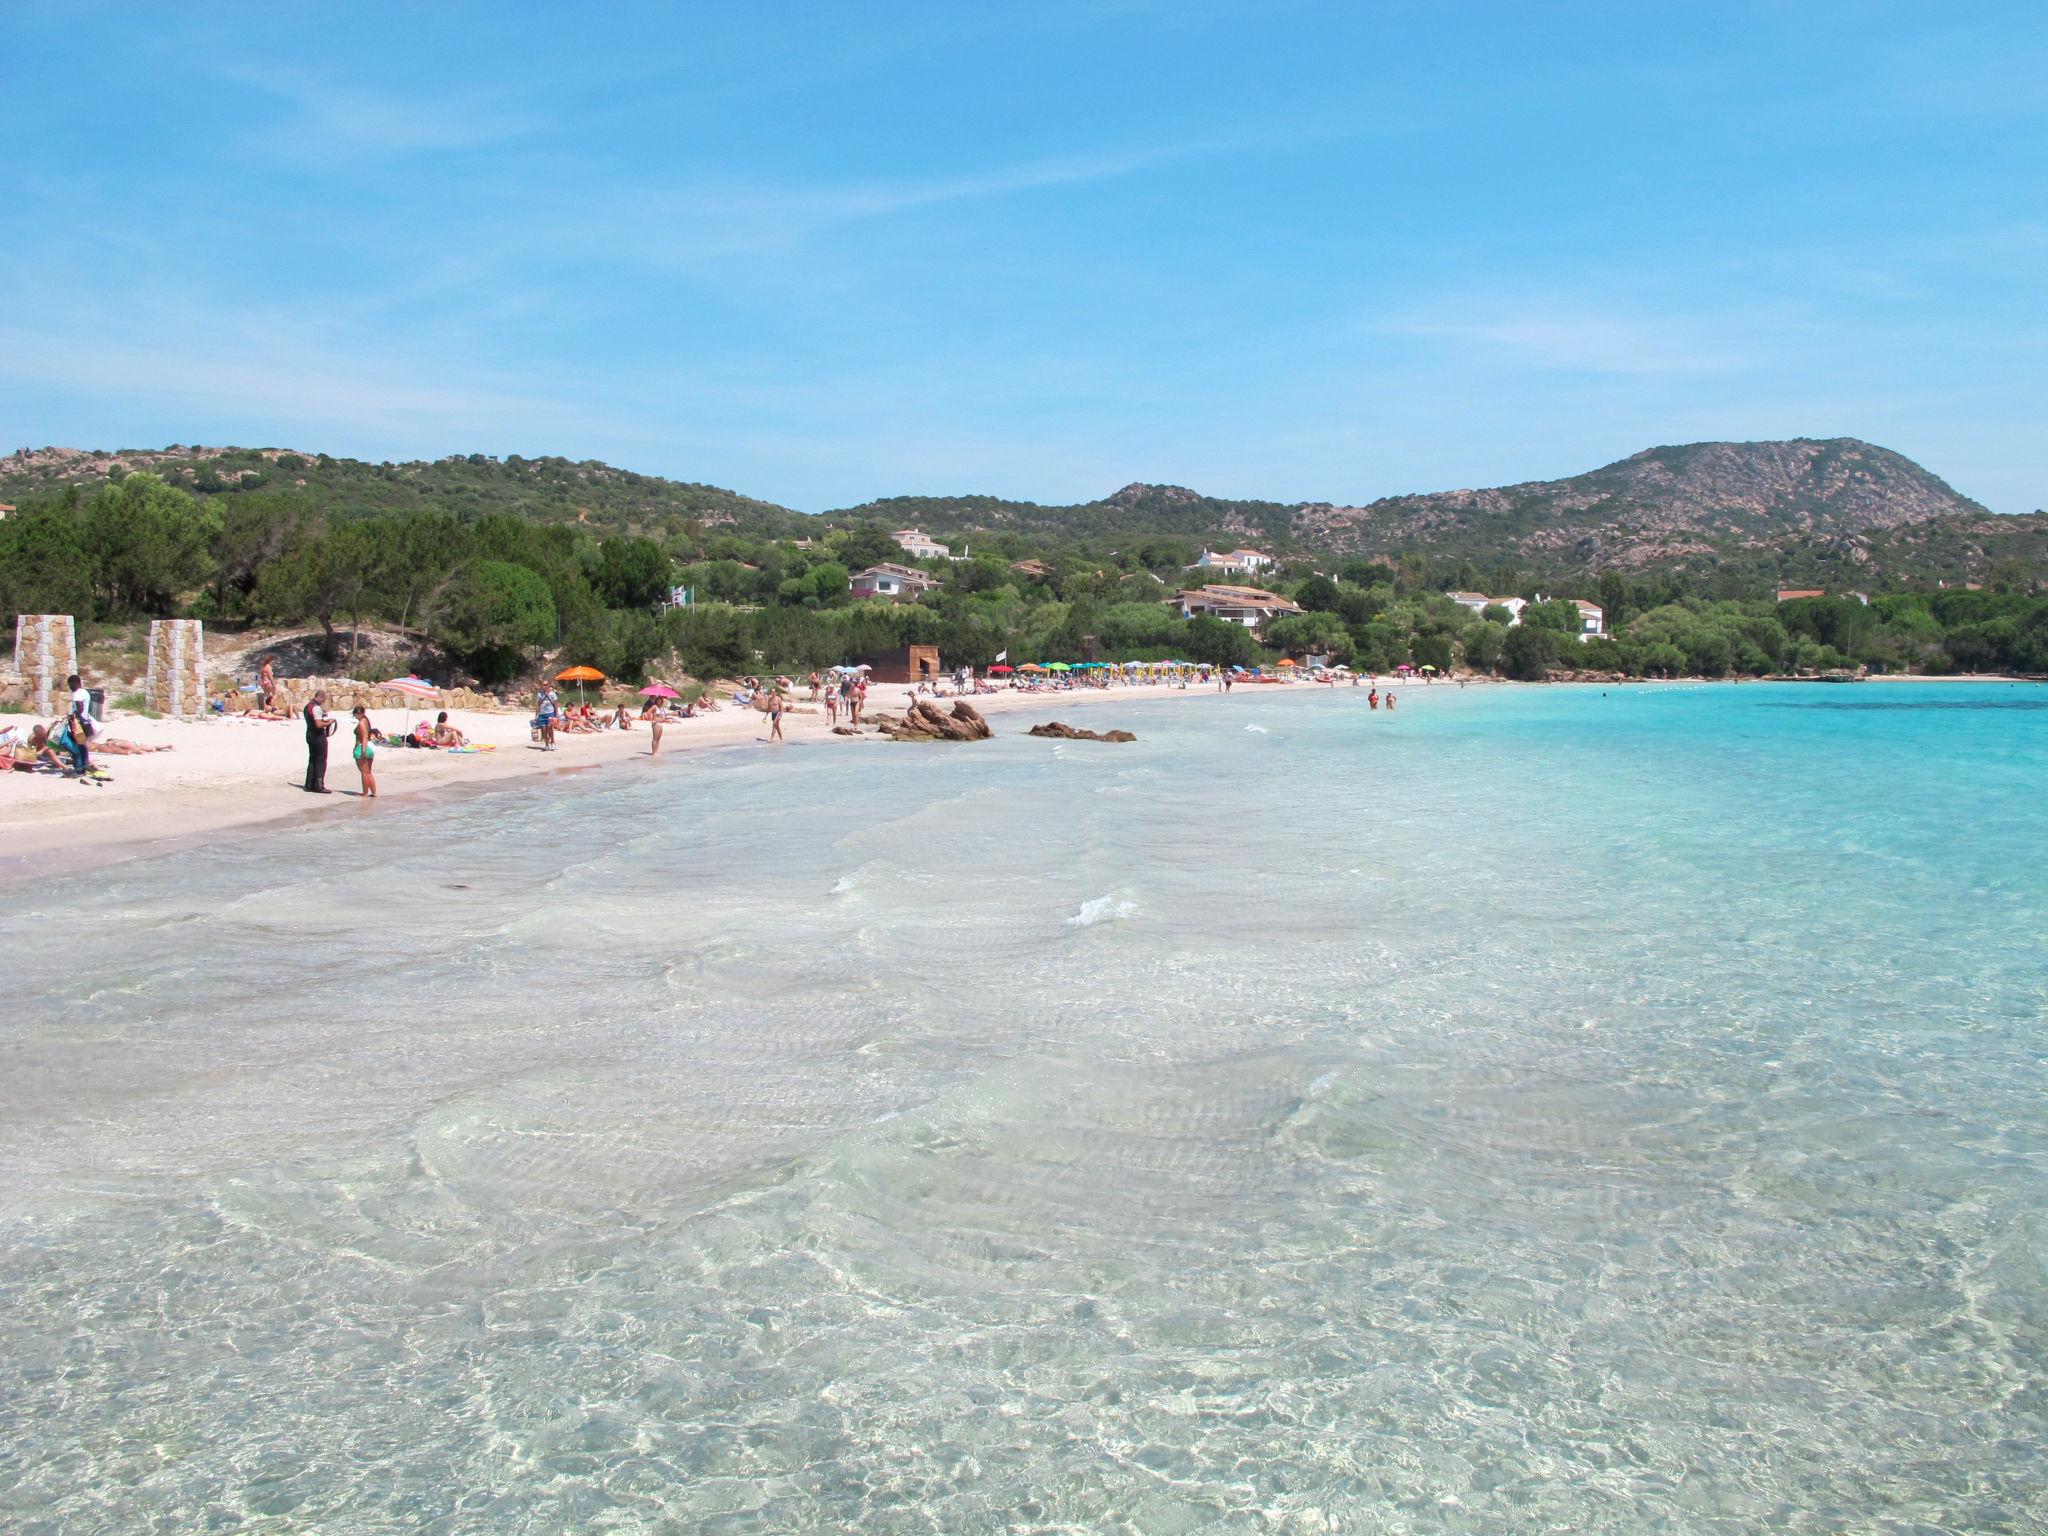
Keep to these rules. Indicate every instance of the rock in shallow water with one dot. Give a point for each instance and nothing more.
(925, 721)
(1075, 733)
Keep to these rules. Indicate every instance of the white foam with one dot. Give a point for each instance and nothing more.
(1259, 728)
(1103, 909)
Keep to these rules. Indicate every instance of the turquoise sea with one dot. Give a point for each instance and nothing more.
(1538, 1110)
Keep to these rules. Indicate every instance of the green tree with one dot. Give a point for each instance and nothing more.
(1483, 642)
(492, 610)
(1219, 642)
(632, 573)
(44, 567)
(1300, 633)
(867, 545)
(1318, 594)
(1556, 615)
(149, 543)
(1527, 652)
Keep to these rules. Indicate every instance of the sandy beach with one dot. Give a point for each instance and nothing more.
(233, 773)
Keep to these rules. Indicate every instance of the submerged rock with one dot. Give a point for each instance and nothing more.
(1075, 733)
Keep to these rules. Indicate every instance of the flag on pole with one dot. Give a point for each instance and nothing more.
(1002, 655)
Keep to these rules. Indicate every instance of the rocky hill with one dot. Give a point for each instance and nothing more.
(1819, 510)
(549, 489)
(1663, 504)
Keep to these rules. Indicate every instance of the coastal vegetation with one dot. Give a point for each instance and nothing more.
(490, 566)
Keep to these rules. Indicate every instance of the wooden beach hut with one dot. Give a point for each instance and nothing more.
(905, 664)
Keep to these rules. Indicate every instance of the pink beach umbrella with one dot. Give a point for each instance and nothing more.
(659, 691)
(416, 690)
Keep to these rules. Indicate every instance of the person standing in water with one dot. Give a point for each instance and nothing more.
(654, 725)
(1390, 701)
(775, 715)
(318, 728)
(365, 753)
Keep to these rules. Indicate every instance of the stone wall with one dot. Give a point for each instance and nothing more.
(344, 694)
(45, 653)
(176, 683)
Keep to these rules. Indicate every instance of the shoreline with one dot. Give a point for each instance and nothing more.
(216, 783)
(230, 778)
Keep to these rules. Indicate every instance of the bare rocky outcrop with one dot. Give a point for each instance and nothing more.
(925, 721)
(1074, 733)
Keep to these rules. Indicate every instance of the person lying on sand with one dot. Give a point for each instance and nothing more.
(122, 747)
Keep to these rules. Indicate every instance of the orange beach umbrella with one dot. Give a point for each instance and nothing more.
(579, 676)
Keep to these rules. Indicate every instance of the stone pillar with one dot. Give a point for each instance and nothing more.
(45, 653)
(177, 668)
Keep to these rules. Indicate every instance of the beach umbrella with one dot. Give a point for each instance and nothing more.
(659, 691)
(1057, 666)
(413, 688)
(1287, 661)
(579, 676)
(1000, 667)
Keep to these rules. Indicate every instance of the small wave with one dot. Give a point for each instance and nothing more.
(1259, 728)
(845, 883)
(1103, 909)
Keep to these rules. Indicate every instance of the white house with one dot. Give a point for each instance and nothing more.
(919, 545)
(1245, 560)
(1249, 606)
(1592, 618)
(1479, 602)
(892, 581)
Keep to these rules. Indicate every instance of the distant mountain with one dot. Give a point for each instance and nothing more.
(1696, 499)
(1822, 510)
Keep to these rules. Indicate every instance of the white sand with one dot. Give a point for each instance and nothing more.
(227, 773)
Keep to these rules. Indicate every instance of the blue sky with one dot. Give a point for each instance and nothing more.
(822, 253)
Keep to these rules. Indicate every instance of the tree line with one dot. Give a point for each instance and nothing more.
(490, 592)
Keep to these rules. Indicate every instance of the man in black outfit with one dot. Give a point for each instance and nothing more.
(318, 728)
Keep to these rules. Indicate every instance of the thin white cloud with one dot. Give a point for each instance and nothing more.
(708, 221)
(1582, 339)
(329, 117)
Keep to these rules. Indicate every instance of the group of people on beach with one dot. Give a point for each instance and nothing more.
(843, 691)
(66, 746)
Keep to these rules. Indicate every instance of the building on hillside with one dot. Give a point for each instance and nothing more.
(1249, 606)
(890, 581)
(1479, 602)
(920, 545)
(1031, 568)
(905, 664)
(6, 510)
(1236, 560)
(1592, 618)
(1794, 594)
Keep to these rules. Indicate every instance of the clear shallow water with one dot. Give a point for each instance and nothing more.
(1534, 1111)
